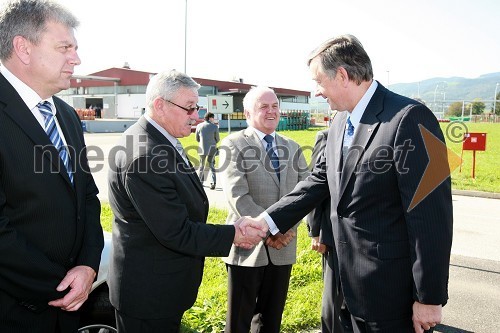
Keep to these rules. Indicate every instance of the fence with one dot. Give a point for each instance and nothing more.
(294, 120)
(490, 118)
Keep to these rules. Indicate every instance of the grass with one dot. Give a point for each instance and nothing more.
(208, 315)
(302, 310)
(487, 174)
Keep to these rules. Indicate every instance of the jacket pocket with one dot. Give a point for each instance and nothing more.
(395, 250)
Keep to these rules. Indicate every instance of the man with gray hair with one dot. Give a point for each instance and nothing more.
(160, 236)
(258, 167)
(50, 233)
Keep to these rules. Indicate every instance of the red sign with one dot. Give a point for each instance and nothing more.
(474, 141)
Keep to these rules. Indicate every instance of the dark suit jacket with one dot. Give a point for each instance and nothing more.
(318, 221)
(47, 225)
(388, 256)
(160, 235)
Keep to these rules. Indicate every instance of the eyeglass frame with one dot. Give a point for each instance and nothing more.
(189, 111)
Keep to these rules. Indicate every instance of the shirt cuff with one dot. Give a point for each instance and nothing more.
(273, 229)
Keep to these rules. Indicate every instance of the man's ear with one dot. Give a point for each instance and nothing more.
(343, 75)
(22, 49)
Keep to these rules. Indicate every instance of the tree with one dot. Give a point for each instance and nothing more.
(454, 110)
(477, 106)
(497, 106)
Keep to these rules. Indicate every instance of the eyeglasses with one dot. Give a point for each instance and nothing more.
(189, 111)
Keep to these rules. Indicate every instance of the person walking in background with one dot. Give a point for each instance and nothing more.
(393, 241)
(160, 236)
(258, 167)
(50, 233)
(207, 134)
(319, 226)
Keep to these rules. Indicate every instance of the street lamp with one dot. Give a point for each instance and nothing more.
(435, 91)
(495, 99)
(185, 34)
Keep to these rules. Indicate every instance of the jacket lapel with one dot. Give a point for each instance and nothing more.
(71, 140)
(284, 146)
(366, 129)
(20, 114)
(183, 167)
(253, 141)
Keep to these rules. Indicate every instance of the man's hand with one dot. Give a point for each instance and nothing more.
(280, 240)
(254, 222)
(317, 246)
(426, 316)
(79, 279)
(247, 237)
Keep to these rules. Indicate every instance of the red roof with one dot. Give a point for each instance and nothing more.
(129, 77)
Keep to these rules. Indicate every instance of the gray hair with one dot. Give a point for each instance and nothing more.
(28, 18)
(344, 51)
(166, 84)
(251, 97)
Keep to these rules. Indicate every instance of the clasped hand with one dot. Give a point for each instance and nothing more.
(280, 240)
(249, 232)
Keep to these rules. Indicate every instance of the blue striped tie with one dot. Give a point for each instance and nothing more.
(55, 138)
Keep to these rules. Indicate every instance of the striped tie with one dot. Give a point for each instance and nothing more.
(180, 149)
(53, 134)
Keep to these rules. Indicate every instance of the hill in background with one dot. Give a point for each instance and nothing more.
(440, 90)
(451, 89)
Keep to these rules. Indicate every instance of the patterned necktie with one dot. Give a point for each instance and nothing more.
(54, 136)
(272, 154)
(348, 135)
(180, 149)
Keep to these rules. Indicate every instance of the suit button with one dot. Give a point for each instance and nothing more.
(71, 260)
(340, 216)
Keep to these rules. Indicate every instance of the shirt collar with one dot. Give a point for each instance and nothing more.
(261, 135)
(28, 95)
(169, 137)
(359, 109)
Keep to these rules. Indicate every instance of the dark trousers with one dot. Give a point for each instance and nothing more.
(210, 159)
(334, 315)
(127, 324)
(15, 318)
(256, 298)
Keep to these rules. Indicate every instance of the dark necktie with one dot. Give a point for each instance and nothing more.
(272, 154)
(54, 136)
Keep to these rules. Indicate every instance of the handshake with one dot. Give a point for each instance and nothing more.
(250, 231)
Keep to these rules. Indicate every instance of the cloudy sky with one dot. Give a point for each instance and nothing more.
(267, 41)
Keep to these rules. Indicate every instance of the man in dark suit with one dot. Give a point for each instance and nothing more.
(160, 235)
(207, 134)
(50, 234)
(393, 241)
(320, 231)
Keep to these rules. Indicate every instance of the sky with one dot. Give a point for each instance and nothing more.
(266, 42)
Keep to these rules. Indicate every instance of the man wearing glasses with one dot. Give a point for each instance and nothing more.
(160, 235)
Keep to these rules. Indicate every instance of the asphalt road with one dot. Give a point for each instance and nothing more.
(474, 287)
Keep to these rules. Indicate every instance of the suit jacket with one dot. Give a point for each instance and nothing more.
(207, 134)
(318, 221)
(160, 236)
(251, 185)
(47, 225)
(389, 256)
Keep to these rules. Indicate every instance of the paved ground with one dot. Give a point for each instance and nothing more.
(474, 287)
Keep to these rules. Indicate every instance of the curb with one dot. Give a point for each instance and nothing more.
(479, 194)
